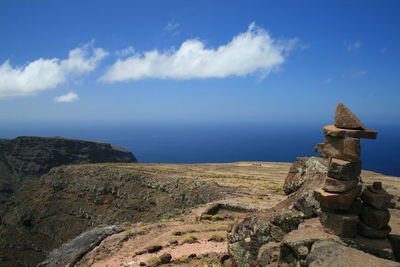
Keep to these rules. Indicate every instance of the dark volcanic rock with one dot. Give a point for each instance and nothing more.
(344, 170)
(343, 225)
(71, 252)
(374, 218)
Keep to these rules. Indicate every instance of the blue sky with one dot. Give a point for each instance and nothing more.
(286, 61)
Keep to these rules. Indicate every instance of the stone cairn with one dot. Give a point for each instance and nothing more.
(342, 213)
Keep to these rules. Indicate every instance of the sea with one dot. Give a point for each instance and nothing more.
(214, 142)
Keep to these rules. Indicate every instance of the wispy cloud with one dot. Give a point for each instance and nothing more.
(125, 52)
(354, 73)
(171, 26)
(383, 50)
(68, 97)
(253, 51)
(44, 74)
(352, 46)
(327, 80)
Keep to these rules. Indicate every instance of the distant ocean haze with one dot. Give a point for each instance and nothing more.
(201, 142)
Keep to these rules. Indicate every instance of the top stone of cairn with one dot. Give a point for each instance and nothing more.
(345, 119)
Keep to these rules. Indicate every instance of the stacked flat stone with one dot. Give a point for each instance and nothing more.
(374, 216)
(338, 197)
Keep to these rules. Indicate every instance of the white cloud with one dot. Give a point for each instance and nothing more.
(327, 80)
(253, 51)
(353, 46)
(126, 52)
(68, 97)
(44, 74)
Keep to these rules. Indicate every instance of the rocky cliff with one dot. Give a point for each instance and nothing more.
(26, 155)
(24, 159)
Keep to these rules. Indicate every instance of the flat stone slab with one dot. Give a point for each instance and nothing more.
(338, 186)
(337, 201)
(344, 118)
(332, 130)
(329, 253)
(370, 232)
(347, 149)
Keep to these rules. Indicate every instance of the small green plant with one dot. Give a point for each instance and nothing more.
(101, 225)
(205, 217)
(126, 224)
(189, 239)
(173, 242)
(218, 217)
(216, 238)
(143, 230)
(176, 232)
(129, 233)
(184, 259)
(154, 260)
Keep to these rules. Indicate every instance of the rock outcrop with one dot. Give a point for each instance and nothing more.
(327, 187)
(71, 252)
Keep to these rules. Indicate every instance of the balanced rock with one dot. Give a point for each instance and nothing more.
(337, 201)
(332, 130)
(344, 170)
(341, 148)
(377, 200)
(344, 118)
(343, 225)
(338, 186)
(374, 218)
(370, 232)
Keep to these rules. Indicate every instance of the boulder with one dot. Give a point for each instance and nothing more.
(268, 253)
(154, 248)
(165, 258)
(344, 118)
(327, 253)
(332, 130)
(297, 244)
(309, 170)
(251, 233)
(395, 242)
